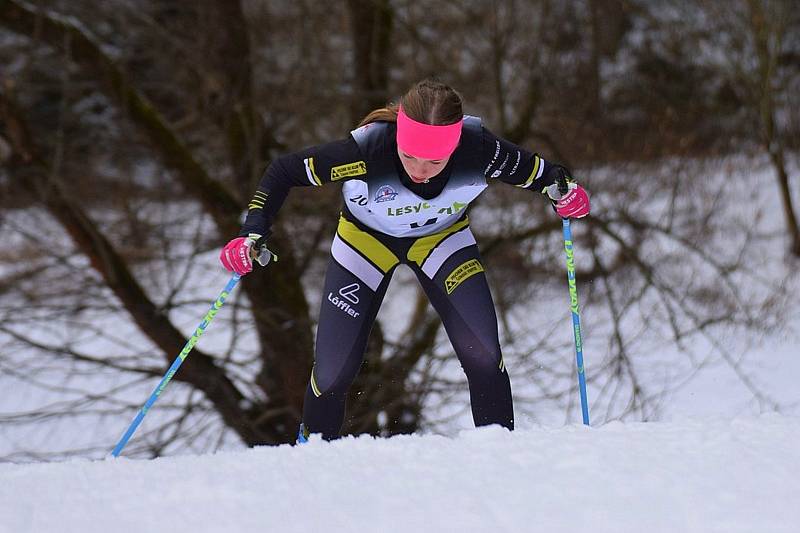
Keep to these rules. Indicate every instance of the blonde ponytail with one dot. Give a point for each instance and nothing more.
(384, 114)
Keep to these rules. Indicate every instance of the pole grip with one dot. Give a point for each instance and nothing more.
(561, 180)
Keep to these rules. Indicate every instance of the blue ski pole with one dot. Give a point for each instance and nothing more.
(215, 307)
(576, 318)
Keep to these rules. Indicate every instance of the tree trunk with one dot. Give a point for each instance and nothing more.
(371, 30)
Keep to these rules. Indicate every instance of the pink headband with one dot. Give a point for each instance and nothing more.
(424, 140)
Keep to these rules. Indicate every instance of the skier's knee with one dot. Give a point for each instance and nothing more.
(484, 364)
(327, 382)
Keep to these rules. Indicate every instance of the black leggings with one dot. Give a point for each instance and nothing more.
(449, 269)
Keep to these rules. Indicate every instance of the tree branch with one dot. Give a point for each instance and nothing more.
(46, 27)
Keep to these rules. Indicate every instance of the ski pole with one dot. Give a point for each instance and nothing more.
(215, 307)
(576, 318)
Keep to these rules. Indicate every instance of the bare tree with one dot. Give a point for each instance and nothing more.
(755, 40)
(768, 27)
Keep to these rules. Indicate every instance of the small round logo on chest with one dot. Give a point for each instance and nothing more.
(385, 193)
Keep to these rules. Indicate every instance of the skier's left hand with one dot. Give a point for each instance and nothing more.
(573, 204)
(570, 200)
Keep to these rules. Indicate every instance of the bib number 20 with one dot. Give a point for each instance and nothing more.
(359, 199)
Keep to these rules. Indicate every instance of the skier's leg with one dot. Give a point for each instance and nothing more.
(457, 287)
(355, 285)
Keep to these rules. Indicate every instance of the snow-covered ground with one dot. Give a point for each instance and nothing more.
(727, 476)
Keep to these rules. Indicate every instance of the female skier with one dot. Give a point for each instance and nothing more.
(408, 174)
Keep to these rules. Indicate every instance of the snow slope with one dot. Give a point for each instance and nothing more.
(690, 476)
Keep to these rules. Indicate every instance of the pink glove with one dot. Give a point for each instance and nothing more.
(235, 256)
(574, 204)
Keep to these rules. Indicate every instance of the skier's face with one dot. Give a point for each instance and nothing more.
(421, 170)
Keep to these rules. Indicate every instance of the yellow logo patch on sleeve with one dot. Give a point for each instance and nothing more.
(349, 170)
(462, 272)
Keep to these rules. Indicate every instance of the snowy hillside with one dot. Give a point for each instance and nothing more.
(710, 476)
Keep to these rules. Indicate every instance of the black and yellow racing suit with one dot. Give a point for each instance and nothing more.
(388, 220)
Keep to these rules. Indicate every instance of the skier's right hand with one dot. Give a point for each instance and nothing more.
(235, 256)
